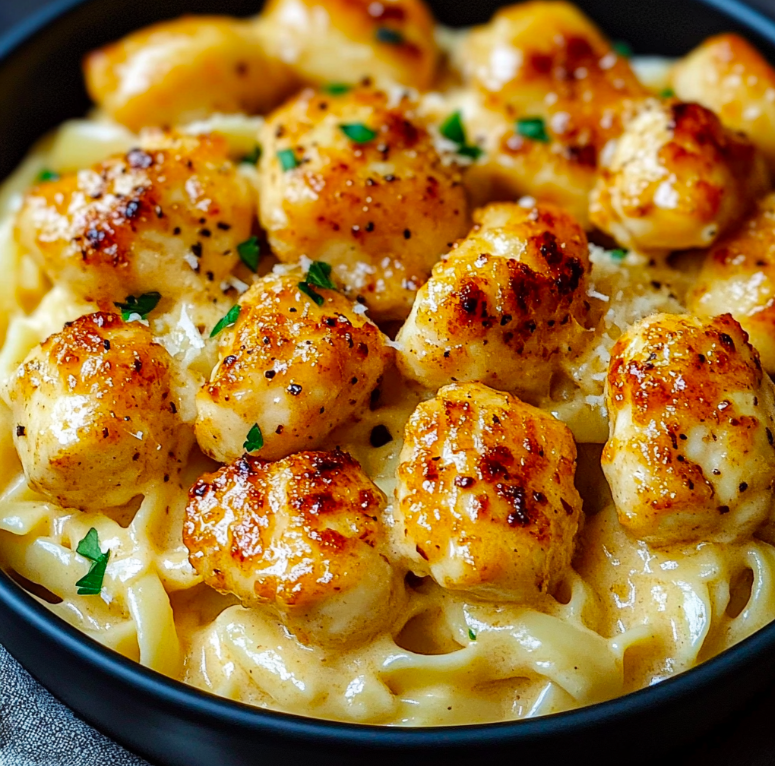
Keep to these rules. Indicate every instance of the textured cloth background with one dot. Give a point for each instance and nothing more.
(38, 730)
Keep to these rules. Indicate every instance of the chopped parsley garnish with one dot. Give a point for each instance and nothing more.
(89, 547)
(452, 129)
(91, 583)
(471, 150)
(287, 159)
(471, 634)
(533, 128)
(307, 289)
(47, 175)
(138, 307)
(250, 252)
(336, 88)
(618, 254)
(623, 49)
(227, 321)
(358, 132)
(255, 439)
(319, 275)
(667, 93)
(253, 157)
(389, 36)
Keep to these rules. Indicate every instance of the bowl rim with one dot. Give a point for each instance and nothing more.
(193, 700)
(182, 697)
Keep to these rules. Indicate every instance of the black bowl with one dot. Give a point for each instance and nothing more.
(169, 723)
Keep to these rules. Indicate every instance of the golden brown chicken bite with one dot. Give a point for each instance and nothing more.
(676, 179)
(738, 277)
(354, 180)
(343, 41)
(503, 305)
(166, 217)
(302, 536)
(186, 69)
(729, 76)
(295, 368)
(533, 49)
(690, 455)
(486, 500)
(552, 92)
(94, 413)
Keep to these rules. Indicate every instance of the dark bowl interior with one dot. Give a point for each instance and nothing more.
(40, 86)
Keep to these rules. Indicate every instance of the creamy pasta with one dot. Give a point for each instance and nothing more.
(425, 642)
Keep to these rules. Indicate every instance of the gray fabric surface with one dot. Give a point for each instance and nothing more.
(38, 730)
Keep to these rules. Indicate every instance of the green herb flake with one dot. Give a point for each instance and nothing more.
(358, 132)
(138, 307)
(667, 93)
(255, 440)
(89, 547)
(618, 254)
(452, 129)
(389, 36)
(474, 152)
(250, 253)
(533, 128)
(318, 275)
(47, 175)
(227, 321)
(253, 157)
(287, 159)
(471, 634)
(622, 48)
(310, 291)
(91, 583)
(336, 88)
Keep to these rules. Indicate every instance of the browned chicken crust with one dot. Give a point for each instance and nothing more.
(343, 41)
(691, 455)
(729, 76)
(738, 277)
(296, 369)
(302, 535)
(380, 211)
(95, 415)
(547, 60)
(486, 500)
(166, 217)
(504, 305)
(185, 69)
(676, 179)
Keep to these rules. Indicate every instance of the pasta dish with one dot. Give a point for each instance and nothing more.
(369, 370)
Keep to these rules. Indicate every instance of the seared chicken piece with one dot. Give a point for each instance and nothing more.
(729, 76)
(344, 41)
(486, 501)
(691, 454)
(513, 166)
(738, 277)
(676, 179)
(504, 305)
(295, 369)
(353, 181)
(547, 65)
(94, 413)
(302, 536)
(166, 217)
(186, 69)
